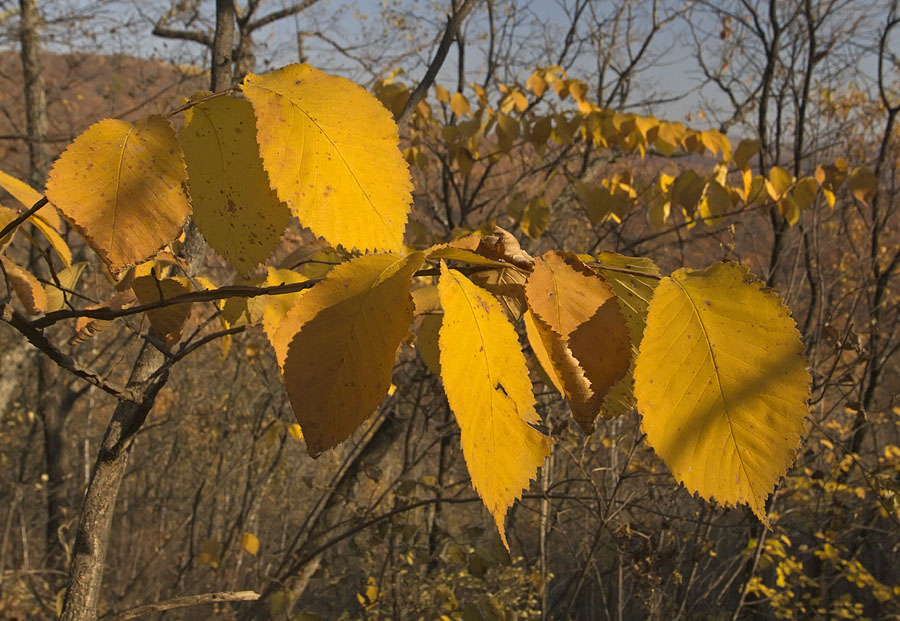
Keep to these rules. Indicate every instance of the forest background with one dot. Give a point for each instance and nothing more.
(220, 495)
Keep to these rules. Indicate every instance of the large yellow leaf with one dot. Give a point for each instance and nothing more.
(338, 343)
(234, 207)
(721, 383)
(331, 152)
(487, 386)
(120, 185)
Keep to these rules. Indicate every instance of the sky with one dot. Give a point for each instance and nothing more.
(394, 26)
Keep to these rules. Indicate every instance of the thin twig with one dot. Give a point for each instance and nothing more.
(22, 217)
(453, 24)
(182, 602)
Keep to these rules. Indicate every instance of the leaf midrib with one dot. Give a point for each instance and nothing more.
(715, 365)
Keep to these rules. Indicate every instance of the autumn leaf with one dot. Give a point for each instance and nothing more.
(331, 152)
(250, 543)
(486, 382)
(580, 325)
(28, 197)
(88, 327)
(239, 215)
(337, 345)
(67, 278)
(863, 184)
(633, 294)
(120, 185)
(278, 306)
(166, 321)
(721, 383)
(7, 216)
(26, 286)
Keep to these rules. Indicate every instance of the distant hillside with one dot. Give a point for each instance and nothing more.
(84, 88)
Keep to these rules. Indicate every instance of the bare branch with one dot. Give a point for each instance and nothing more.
(182, 602)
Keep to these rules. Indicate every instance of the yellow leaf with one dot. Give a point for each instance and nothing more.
(337, 345)
(7, 215)
(250, 543)
(716, 202)
(746, 149)
(28, 196)
(863, 184)
(687, 189)
(459, 104)
(296, 432)
(427, 342)
(804, 192)
(715, 141)
(120, 185)
(68, 278)
(486, 382)
(721, 383)
(331, 152)
(563, 292)
(668, 137)
(580, 308)
(56, 241)
(778, 183)
(26, 286)
(441, 94)
(508, 286)
(277, 306)
(535, 218)
(86, 327)
(633, 294)
(167, 320)
(211, 553)
(465, 161)
(536, 83)
(646, 124)
(234, 207)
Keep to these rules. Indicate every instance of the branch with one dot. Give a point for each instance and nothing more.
(273, 17)
(207, 295)
(187, 35)
(37, 338)
(450, 31)
(182, 602)
(24, 216)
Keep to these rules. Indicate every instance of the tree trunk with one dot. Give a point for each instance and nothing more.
(91, 541)
(35, 94)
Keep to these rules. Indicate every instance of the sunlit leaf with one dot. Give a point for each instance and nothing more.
(721, 383)
(239, 215)
(486, 381)
(338, 343)
(250, 543)
(331, 152)
(120, 185)
(25, 285)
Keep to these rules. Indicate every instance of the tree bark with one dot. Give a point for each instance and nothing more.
(91, 541)
(35, 94)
